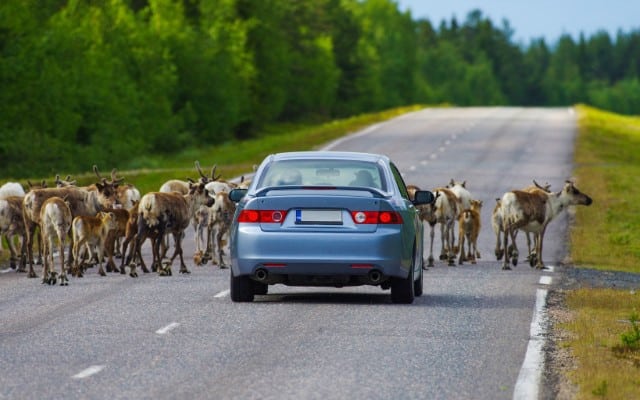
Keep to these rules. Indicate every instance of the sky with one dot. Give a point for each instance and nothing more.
(535, 19)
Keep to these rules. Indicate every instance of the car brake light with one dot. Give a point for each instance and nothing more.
(376, 217)
(262, 216)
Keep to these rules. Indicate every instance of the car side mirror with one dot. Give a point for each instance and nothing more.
(423, 197)
(236, 195)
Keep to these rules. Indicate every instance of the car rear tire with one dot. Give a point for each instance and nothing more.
(260, 288)
(417, 285)
(241, 288)
(402, 289)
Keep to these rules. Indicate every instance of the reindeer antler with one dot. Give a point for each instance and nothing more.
(115, 180)
(546, 187)
(95, 170)
(213, 173)
(200, 170)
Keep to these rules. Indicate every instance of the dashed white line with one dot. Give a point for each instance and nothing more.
(224, 293)
(92, 370)
(167, 328)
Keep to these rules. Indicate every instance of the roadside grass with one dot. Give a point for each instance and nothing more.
(608, 366)
(148, 172)
(603, 331)
(607, 157)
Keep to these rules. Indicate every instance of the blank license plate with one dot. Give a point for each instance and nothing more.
(330, 217)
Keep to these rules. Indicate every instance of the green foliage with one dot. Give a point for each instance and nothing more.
(110, 82)
(631, 339)
(601, 389)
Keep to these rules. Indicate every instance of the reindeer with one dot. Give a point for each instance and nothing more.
(160, 213)
(464, 202)
(80, 201)
(496, 223)
(220, 218)
(89, 234)
(12, 225)
(55, 221)
(469, 225)
(532, 212)
(443, 211)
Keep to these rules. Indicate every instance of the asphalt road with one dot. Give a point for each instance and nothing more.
(178, 337)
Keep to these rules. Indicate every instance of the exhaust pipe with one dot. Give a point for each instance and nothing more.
(375, 276)
(261, 274)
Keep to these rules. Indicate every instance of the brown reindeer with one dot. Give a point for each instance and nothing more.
(496, 223)
(55, 221)
(81, 202)
(532, 212)
(161, 213)
(89, 235)
(12, 225)
(219, 223)
(469, 227)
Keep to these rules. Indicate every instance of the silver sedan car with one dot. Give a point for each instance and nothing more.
(325, 218)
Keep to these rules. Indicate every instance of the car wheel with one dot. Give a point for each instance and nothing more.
(260, 288)
(402, 288)
(417, 285)
(241, 288)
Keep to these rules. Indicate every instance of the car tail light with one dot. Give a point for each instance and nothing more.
(262, 216)
(376, 217)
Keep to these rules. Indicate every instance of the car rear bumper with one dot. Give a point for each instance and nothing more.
(320, 258)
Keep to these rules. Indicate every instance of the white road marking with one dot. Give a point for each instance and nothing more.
(528, 383)
(224, 293)
(545, 280)
(167, 328)
(94, 369)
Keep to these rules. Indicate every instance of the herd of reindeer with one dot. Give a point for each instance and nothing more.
(529, 209)
(111, 219)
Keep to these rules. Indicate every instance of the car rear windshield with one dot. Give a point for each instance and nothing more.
(323, 173)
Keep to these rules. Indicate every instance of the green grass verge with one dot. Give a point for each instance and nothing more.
(149, 172)
(607, 156)
(601, 333)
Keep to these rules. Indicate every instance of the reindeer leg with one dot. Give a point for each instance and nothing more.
(540, 264)
(505, 240)
(183, 266)
(461, 258)
(30, 234)
(431, 259)
(64, 281)
(514, 253)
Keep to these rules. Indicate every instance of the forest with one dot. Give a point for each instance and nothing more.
(86, 82)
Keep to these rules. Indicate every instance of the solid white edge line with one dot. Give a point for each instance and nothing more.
(167, 328)
(222, 294)
(545, 280)
(528, 383)
(94, 369)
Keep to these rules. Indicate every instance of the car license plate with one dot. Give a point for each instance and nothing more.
(328, 217)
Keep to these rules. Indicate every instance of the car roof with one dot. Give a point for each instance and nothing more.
(335, 155)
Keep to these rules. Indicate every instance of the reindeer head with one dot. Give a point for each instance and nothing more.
(107, 190)
(575, 196)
